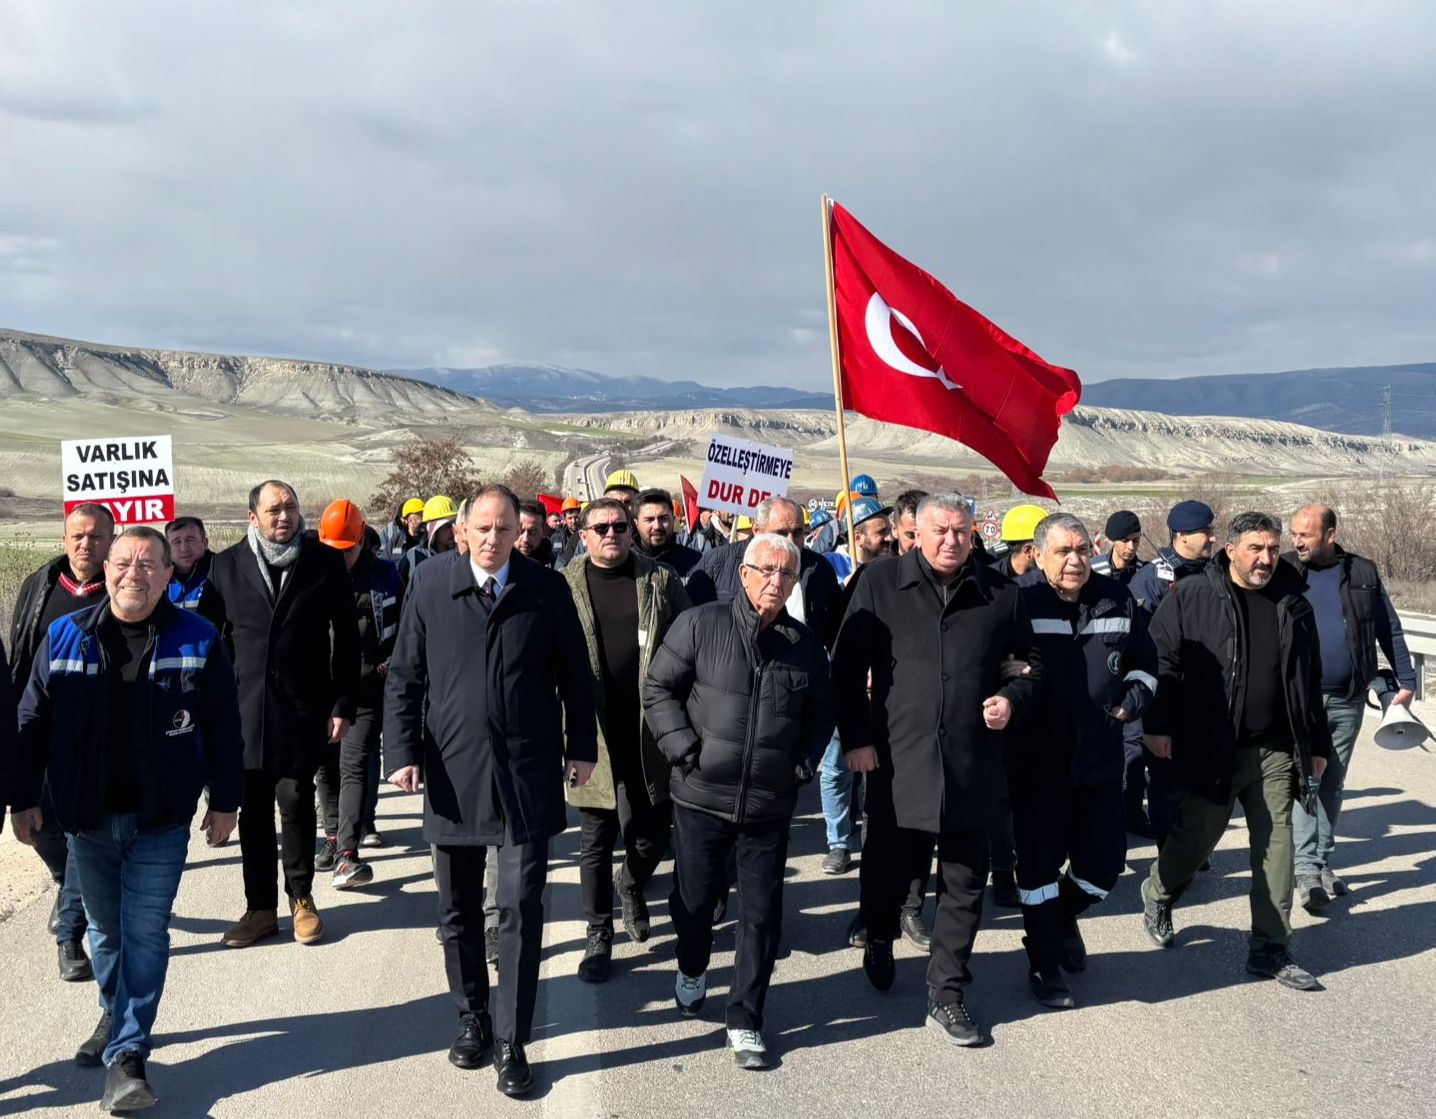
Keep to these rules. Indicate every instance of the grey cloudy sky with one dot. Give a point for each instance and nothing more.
(1130, 188)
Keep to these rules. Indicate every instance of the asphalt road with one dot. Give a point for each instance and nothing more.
(359, 1025)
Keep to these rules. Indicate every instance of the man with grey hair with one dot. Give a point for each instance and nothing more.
(812, 600)
(1238, 712)
(739, 701)
(1064, 765)
(917, 677)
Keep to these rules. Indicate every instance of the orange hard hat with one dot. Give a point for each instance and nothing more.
(570, 503)
(342, 525)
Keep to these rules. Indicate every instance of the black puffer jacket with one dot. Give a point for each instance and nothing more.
(1201, 675)
(739, 712)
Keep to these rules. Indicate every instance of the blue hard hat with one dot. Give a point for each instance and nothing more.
(864, 484)
(820, 517)
(866, 508)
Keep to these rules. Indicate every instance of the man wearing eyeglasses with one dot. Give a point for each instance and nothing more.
(626, 602)
(739, 701)
(131, 711)
(812, 600)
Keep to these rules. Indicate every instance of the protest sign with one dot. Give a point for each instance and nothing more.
(132, 476)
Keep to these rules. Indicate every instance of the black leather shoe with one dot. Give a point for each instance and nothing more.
(74, 964)
(915, 929)
(92, 1049)
(857, 935)
(515, 1076)
(126, 1088)
(631, 901)
(1050, 989)
(491, 945)
(597, 962)
(1157, 920)
(878, 963)
(53, 922)
(476, 1036)
(1004, 889)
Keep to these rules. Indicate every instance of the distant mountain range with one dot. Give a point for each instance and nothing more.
(1346, 400)
(554, 388)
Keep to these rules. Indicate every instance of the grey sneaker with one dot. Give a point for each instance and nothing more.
(689, 993)
(749, 1051)
(1157, 920)
(1333, 885)
(1276, 963)
(838, 861)
(1310, 893)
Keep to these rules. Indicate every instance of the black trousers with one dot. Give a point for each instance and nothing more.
(1134, 770)
(348, 779)
(702, 845)
(645, 829)
(294, 793)
(1056, 822)
(459, 874)
(889, 853)
(1000, 846)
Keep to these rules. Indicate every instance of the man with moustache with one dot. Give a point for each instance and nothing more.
(656, 538)
(68, 583)
(288, 615)
(189, 586)
(489, 707)
(1238, 712)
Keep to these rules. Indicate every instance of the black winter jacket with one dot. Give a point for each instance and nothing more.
(25, 631)
(1201, 675)
(1096, 656)
(1371, 621)
(716, 579)
(481, 700)
(296, 659)
(743, 715)
(932, 665)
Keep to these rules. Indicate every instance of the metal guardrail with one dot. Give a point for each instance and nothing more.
(1420, 631)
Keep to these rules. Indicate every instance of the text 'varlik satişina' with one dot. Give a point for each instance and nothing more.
(132, 476)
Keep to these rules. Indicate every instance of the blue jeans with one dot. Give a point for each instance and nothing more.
(129, 876)
(1315, 836)
(835, 784)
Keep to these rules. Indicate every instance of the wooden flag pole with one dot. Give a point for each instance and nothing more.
(837, 368)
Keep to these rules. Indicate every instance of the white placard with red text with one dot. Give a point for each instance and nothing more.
(131, 475)
(738, 474)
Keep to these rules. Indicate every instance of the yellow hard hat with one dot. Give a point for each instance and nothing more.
(439, 508)
(413, 505)
(622, 479)
(1020, 523)
(844, 496)
(744, 523)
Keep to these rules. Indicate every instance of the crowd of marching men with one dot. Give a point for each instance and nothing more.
(998, 723)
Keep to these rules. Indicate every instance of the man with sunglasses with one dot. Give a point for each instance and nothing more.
(739, 701)
(813, 600)
(626, 602)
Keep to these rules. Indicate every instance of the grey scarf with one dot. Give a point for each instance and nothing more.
(269, 554)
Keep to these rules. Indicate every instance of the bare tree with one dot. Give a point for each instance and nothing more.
(526, 478)
(423, 469)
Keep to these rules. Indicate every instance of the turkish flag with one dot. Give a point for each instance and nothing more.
(690, 502)
(914, 354)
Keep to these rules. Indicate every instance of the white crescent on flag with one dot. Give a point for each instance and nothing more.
(878, 322)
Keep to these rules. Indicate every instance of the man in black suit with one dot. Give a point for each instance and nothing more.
(484, 648)
(286, 611)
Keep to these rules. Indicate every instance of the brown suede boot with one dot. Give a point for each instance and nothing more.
(308, 928)
(254, 925)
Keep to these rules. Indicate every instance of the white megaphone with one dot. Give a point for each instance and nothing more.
(1399, 729)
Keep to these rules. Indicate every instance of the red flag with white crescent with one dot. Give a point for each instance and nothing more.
(913, 354)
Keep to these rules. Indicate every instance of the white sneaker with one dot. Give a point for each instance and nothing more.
(748, 1048)
(689, 993)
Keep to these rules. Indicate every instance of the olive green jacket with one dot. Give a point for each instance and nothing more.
(661, 598)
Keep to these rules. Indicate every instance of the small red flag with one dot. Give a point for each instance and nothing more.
(914, 354)
(550, 503)
(690, 502)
